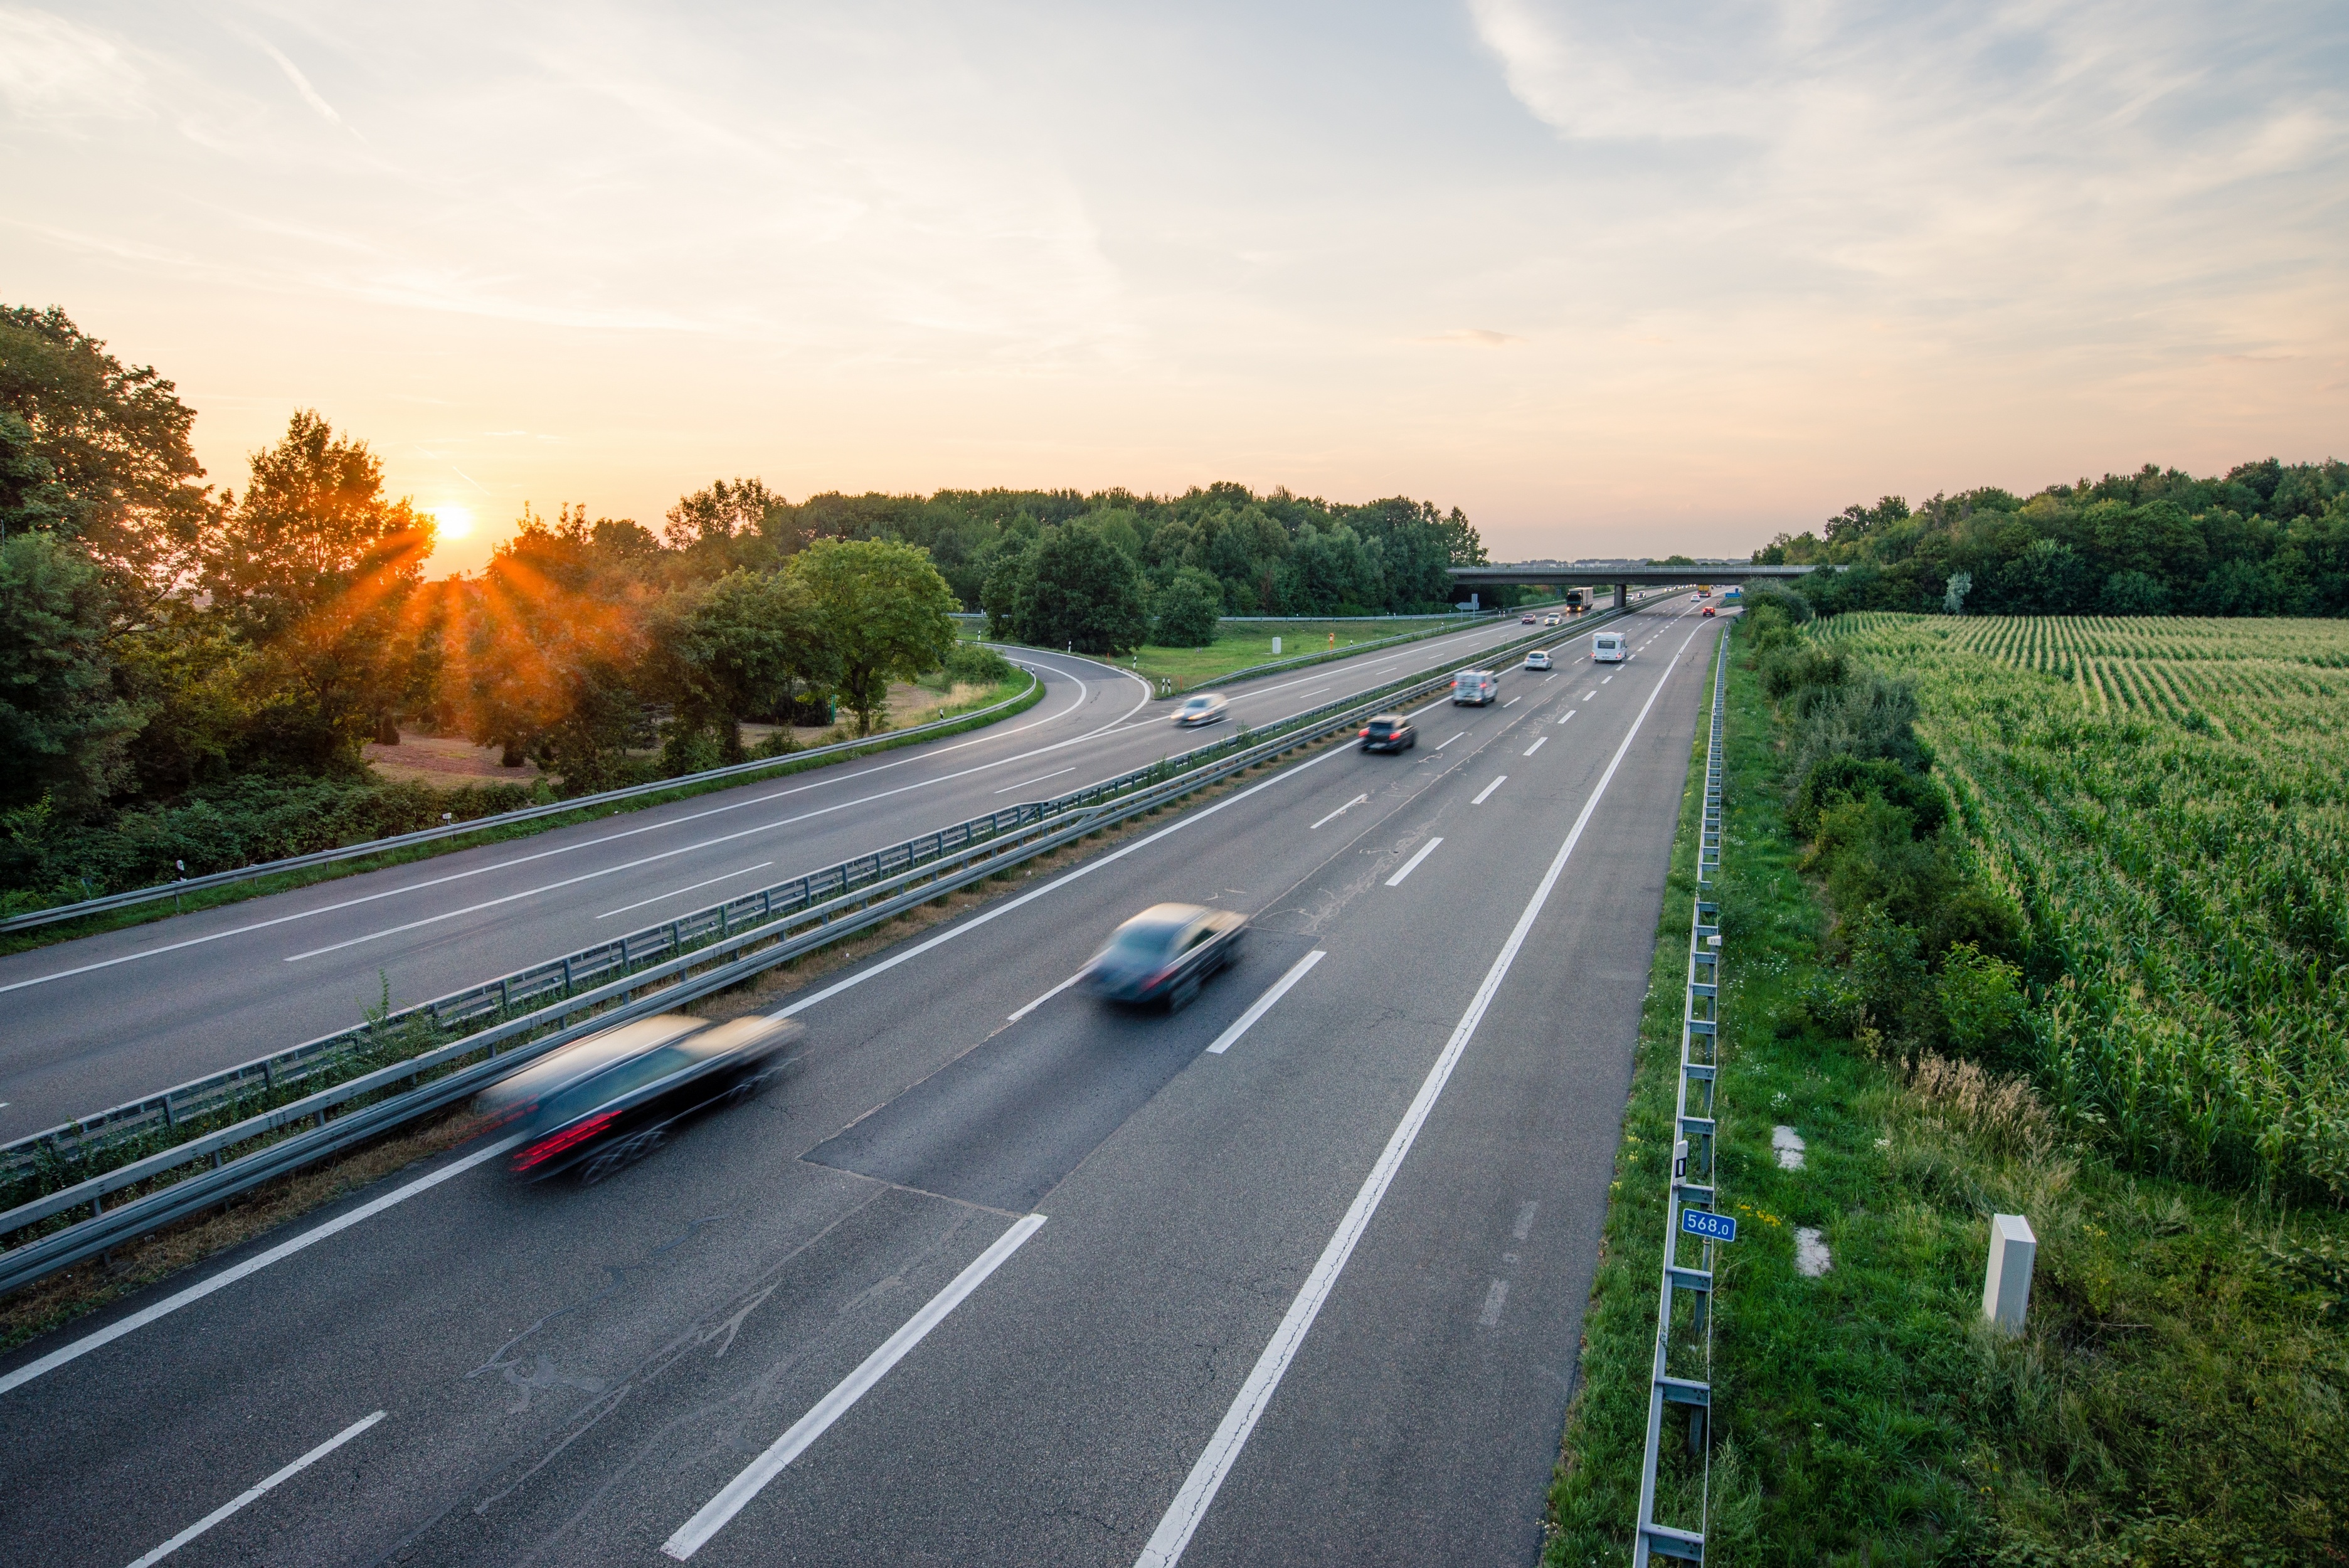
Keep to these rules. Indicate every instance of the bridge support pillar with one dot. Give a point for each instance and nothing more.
(1622, 595)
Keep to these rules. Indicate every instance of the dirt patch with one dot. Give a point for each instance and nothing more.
(443, 760)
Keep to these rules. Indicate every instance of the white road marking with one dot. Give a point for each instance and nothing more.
(1592, 693)
(1491, 1317)
(228, 1276)
(1570, 713)
(254, 1494)
(1007, 790)
(1263, 1005)
(1341, 811)
(689, 887)
(1317, 691)
(1449, 742)
(1412, 864)
(1166, 1543)
(1517, 699)
(1524, 1225)
(696, 1532)
(1538, 742)
(1045, 997)
(996, 912)
(1604, 681)
(1488, 789)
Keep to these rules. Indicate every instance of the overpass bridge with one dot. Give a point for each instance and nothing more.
(1620, 575)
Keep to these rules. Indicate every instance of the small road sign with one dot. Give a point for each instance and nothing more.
(1714, 1227)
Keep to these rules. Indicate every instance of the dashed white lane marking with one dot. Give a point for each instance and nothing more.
(253, 1493)
(1263, 1005)
(690, 887)
(1488, 789)
(1341, 811)
(1045, 997)
(1491, 1317)
(1056, 772)
(1449, 742)
(714, 1515)
(1412, 864)
(1570, 713)
(1538, 742)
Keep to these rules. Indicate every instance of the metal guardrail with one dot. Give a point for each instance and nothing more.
(1693, 1190)
(1321, 657)
(184, 885)
(746, 952)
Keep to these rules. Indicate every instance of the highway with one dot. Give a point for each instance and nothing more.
(95, 1022)
(996, 1275)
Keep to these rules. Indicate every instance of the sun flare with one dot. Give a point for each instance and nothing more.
(453, 521)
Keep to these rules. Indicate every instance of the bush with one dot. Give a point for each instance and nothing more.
(972, 665)
(1188, 609)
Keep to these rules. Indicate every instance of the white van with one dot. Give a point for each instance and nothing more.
(1609, 648)
(1478, 687)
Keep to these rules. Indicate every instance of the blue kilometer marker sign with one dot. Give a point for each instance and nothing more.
(1715, 1227)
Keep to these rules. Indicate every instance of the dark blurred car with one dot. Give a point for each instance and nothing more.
(1165, 954)
(612, 1099)
(1204, 708)
(1390, 732)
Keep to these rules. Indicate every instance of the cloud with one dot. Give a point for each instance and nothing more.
(50, 67)
(301, 83)
(1473, 337)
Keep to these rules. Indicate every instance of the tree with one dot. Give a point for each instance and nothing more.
(1086, 593)
(1187, 609)
(98, 453)
(883, 612)
(726, 525)
(741, 646)
(63, 730)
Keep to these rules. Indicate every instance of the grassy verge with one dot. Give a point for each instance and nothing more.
(54, 1302)
(2181, 1392)
(282, 881)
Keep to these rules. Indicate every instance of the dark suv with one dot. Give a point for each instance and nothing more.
(1389, 732)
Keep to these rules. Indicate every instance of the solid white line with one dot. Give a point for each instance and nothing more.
(1536, 746)
(696, 1532)
(1449, 742)
(996, 912)
(228, 1276)
(1341, 811)
(1007, 790)
(224, 1509)
(1496, 784)
(1412, 864)
(1263, 1005)
(1045, 997)
(1570, 713)
(690, 887)
(1223, 1450)
(827, 777)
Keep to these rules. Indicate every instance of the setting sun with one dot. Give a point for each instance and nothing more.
(453, 521)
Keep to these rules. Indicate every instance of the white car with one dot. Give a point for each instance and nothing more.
(1552, 620)
(1696, 595)
(1537, 660)
(1204, 708)
(1476, 688)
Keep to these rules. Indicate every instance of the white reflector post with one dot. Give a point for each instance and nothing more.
(2006, 1285)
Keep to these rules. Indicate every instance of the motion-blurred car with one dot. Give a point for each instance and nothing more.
(1708, 612)
(1204, 708)
(1528, 621)
(1553, 619)
(1478, 688)
(1389, 732)
(608, 1100)
(1164, 955)
(1537, 660)
(1696, 595)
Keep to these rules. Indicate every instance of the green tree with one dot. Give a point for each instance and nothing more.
(64, 732)
(744, 645)
(1187, 609)
(883, 611)
(98, 453)
(1086, 593)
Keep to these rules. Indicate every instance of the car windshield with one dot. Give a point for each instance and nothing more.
(1382, 726)
(1140, 941)
(1200, 702)
(615, 1082)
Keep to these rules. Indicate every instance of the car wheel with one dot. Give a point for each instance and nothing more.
(1186, 990)
(620, 1156)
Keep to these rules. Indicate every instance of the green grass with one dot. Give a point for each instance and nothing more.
(281, 882)
(2180, 1396)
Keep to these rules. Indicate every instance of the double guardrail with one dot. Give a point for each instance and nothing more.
(734, 770)
(1680, 1377)
(505, 1022)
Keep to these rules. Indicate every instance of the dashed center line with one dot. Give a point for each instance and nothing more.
(1488, 789)
(1536, 746)
(1449, 742)
(1412, 864)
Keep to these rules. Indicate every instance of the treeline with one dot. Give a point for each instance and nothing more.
(2269, 539)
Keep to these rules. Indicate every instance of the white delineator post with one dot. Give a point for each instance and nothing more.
(2006, 1285)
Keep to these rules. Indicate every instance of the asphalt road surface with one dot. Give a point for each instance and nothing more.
(104, 1019)
(998, 1275)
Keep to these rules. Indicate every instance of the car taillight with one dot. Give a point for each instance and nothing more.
(546, 1149)
(1365, 735)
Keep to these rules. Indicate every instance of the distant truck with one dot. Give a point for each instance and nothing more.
(1475, 687)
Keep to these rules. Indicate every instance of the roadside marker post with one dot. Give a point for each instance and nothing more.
(2006, 1280)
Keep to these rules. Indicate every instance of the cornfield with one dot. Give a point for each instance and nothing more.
(2169, 801)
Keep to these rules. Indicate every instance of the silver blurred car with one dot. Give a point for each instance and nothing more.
(604, 1102)
(1164, 955)
(1204, 708)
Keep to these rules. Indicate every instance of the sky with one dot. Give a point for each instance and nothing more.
(1613, 278)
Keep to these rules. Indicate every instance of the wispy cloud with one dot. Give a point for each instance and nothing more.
(301, 83)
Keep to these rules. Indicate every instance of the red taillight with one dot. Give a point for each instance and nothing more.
(546, 1149)
(1365, 735)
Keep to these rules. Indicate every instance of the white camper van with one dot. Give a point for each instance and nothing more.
(1478, 687)
(1609, 648)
